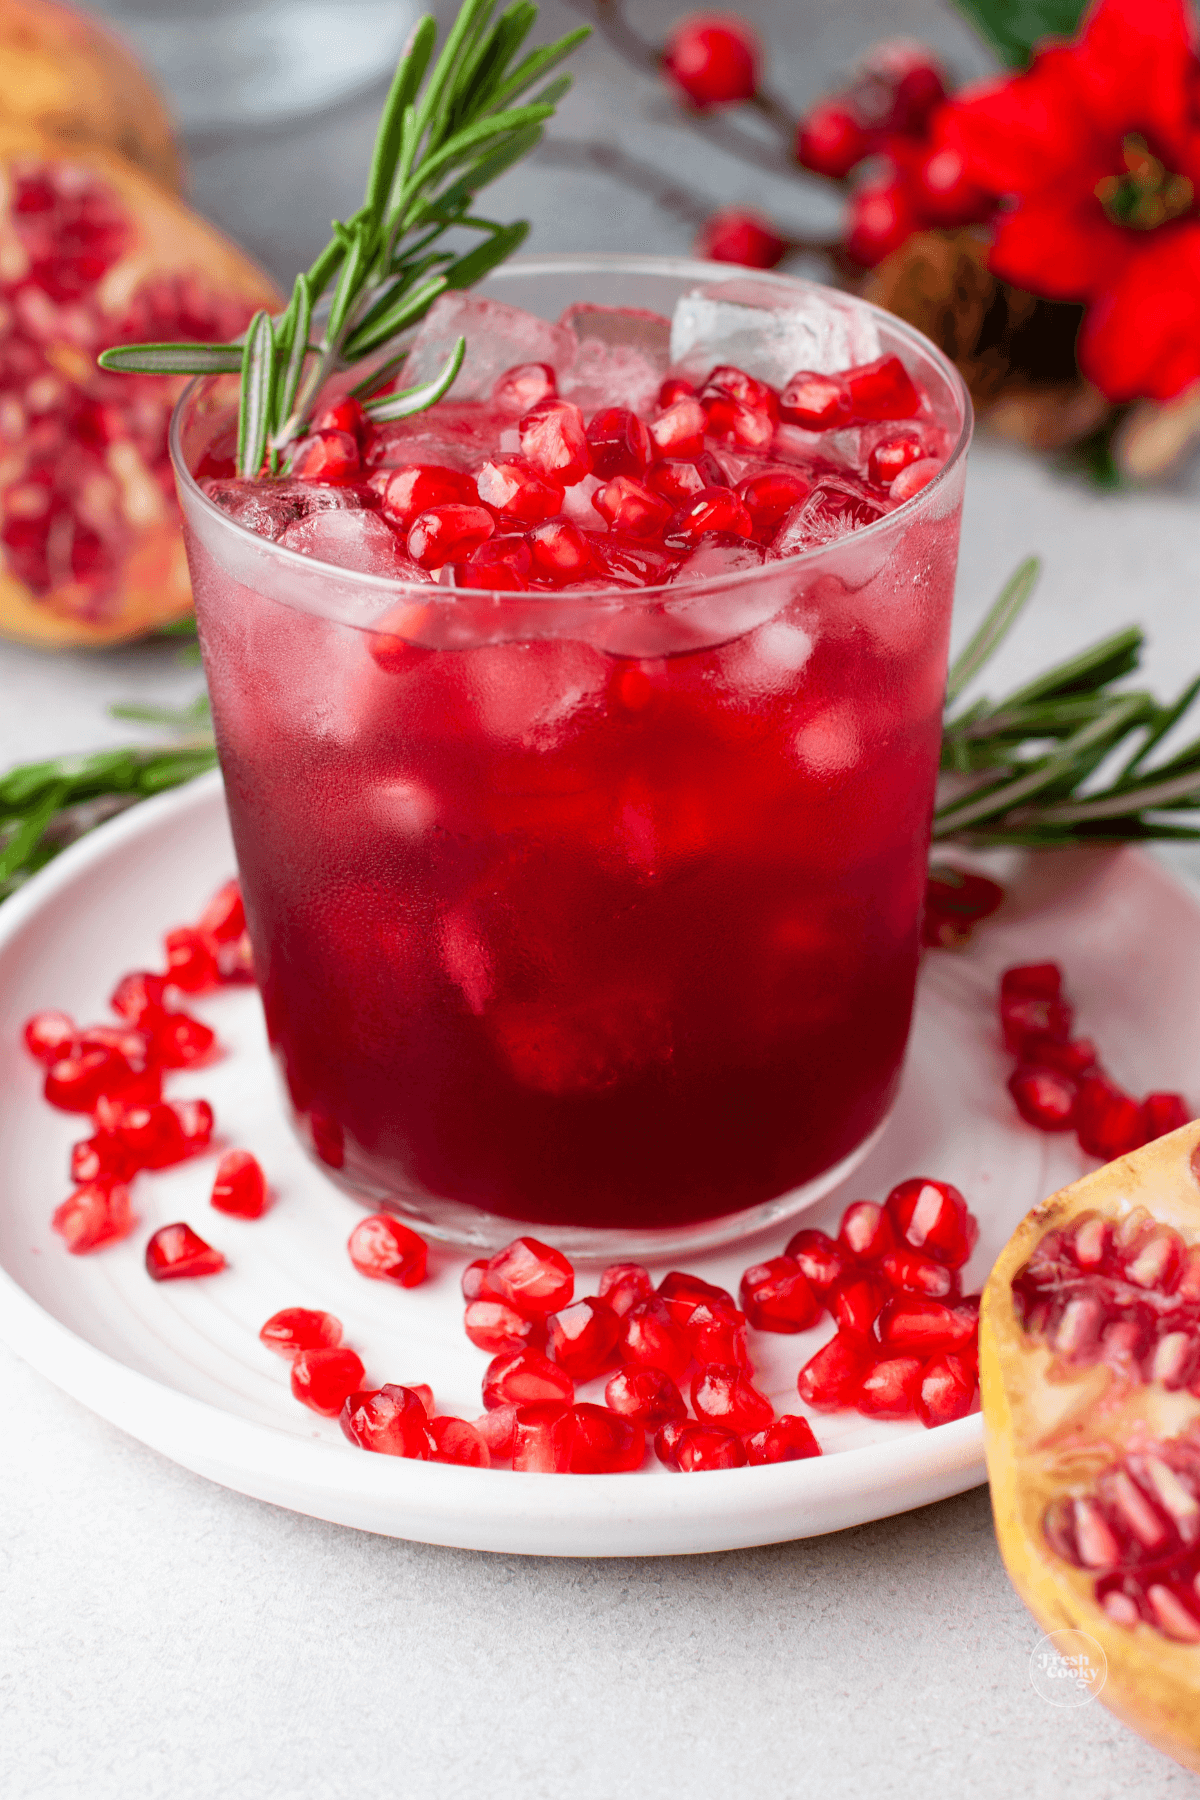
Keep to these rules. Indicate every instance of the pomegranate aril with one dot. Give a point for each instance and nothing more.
(631, 508)
(945, 1391)
(1031, 981)
(647, 1395)
(682, 1293)
(582, 1338)
(675, 387)
(474, 1282)
(624, 1285)
(910, 1272)
(346, 415)
(910, 1324)
(856, 1302)
(543, 1437)
(789, 1439)
(770, 496)
(1162, 1113)
(883, 389)
(390, 1420)
(503, 564)
(932, 1216)
(680, 481)
(1044, 1098)
(240, 1186)
(887, 460)
(1026, 1016)
(604, 1443)
(1108, 1122)
(196, 1123)
(325, 1379)
(1076, 1057)
(448, 533)
(96, 1214)
(619, 442)
(497, 1327)
(650, 1339)
(75, 1083)
(49, 1036)
(180, 1042)
(830, 1380)
(533, 1277)
(559, 552)
(224, 918)
(497, 1429)
(866, 1231)
(153, 1135)
(889, 1389)
(523, 386)
(191, 964)
(820, 1259)
(408, 492)
(298, 1328)
(176, 1252)
(138, 997)
(713, 509)
(816, 402)
(330, 456)
(735, 424)
(679, 431)
(716, 1333)
(722, 1395)
(513, 487)
(384, 1249)
(525, 1378)
(712, 59)
(104, 1157)
(457, 1441)
(776, 1296)
(696, 1449)
(1155, 1260)
(554, 441)
(910, 481)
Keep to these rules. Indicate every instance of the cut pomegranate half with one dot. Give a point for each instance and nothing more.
(96, 254)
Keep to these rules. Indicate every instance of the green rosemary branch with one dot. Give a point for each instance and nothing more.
(446, 131)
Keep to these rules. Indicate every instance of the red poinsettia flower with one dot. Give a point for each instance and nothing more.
(1095, 154)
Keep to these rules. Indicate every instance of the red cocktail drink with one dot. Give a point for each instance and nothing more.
(588, 896)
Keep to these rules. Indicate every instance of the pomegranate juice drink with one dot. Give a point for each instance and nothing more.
(580, 737)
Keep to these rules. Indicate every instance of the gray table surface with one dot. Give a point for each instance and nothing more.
(163, 1636)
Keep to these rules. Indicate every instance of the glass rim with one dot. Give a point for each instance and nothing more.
(671, 267)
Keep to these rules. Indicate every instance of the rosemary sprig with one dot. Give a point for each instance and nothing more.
(446, 131)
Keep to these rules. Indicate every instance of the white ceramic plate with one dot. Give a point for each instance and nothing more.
(180, 1366)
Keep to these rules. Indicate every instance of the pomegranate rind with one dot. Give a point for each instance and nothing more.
(65, 73)
(168, 240)
(1050, 1430)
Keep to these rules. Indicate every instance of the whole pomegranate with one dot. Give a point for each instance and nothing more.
(62, 71)
(1090, 1375)
(95, 253)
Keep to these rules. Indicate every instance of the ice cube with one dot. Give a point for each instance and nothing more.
(766, 661)
(623, 355)
(269, 507)
(361, 541)
(832, 743)
(533, 693)
(769, 333)
(498, 337)
(718, 553)
(454, 436)
(833, 510)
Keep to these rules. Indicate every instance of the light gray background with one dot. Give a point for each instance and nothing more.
(162, 1636)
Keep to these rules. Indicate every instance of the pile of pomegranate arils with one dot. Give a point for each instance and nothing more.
(906, 1343)
(724, 475)
(1059, 1084)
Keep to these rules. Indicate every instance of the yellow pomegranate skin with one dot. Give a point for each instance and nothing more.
(1052, 1429)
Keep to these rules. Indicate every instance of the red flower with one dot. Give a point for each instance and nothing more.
(1095, 151)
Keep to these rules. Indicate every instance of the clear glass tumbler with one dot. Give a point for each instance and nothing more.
(593, 915)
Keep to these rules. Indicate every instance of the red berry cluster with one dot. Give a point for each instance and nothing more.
(115, 1072)
(917, 176)
(1059, 1084)
(713, 60)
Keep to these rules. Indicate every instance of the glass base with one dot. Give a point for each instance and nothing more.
(452, 1222)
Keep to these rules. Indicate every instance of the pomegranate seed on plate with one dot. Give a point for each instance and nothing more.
(390, 1420)
(716, 1332)
(497, 1429)
(682, 1293)
(830, 1380)
(1024, 1017)
(325, 1379)
(448, 533)
(457, 1441)
(560, 552)
(695, 1449)
(582, 1338)
(240, 1186)
(789, 1439)
(722, 1395)
(889, 1389)
(543, 1438)
(679, 431)
(326, 456)
(299, 1328)
(104, 1157)
(1076, 1057)
(196, 1123)
(191, 964)
(776, 1296)
(821, 1260)
(75, 1083)
(512, 486)
(176, 1253)
(153, 1135)
(713, 509)
(866, 1231)
(605, 1443)
(419, 487)
(945, 1391)
(386, 1250)
(1109, 1123)
(647, 1395)
(49, 1036)
(1031, 981)
(532, 1276)
(224, 918)
(474, 1282)
(713, 58)
(96, 1214)
(856, 1302)
(1044, 1098)
(932, 1216)
(883, 389)
(525, 1378)
(624, 1285)
(497, 1327)
(620, 443)
(554, 441)
(816, 402)
(1162, 1113)
(630, 507)
(889, 459)
(914, 1273)
(523, 386)
(650, 1339)
(180, 1042)
(138, 997)
(911, 1324)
